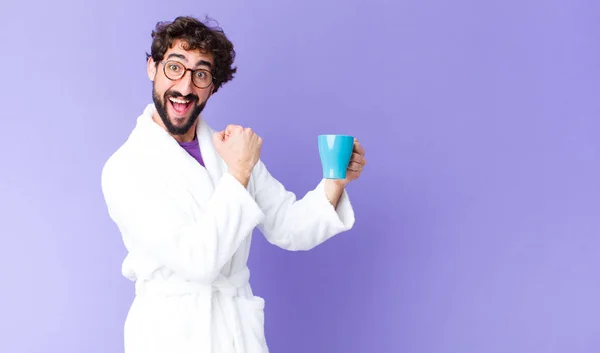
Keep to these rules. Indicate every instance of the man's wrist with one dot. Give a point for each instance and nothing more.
(333, 191)
(242, 176)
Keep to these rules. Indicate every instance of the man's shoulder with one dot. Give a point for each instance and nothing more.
(118, 165)
(128, 158)
(134, 152)
(132, 158)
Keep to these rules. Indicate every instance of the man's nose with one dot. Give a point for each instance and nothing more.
(185, 85)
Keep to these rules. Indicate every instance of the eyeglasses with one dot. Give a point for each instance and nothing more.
(175, 70)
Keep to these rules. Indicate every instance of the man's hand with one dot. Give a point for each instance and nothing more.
(240, 149)
(356, 165)
(335, 187)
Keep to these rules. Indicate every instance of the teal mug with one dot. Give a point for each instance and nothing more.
(335, 152)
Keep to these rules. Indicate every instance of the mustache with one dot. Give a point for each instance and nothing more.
(191, 97)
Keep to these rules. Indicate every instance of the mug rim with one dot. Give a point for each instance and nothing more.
(337, 135)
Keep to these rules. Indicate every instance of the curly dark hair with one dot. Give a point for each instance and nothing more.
(196, 35)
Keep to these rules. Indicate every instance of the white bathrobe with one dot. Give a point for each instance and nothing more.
(187, 230)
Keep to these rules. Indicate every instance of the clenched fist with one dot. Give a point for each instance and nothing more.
(240, 149)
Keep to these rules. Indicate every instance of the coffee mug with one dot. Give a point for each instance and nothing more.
(335, 152)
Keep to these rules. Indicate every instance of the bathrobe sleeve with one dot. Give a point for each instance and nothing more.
(298, 224)
(196, 245)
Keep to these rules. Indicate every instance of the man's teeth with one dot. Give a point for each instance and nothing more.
(175, 100)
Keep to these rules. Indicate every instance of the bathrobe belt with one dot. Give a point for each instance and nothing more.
(228, 286)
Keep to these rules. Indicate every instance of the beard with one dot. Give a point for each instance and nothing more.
(189, 120)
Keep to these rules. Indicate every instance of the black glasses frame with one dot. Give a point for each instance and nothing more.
(185, 70)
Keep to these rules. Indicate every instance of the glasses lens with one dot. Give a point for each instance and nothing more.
(202, 78)
(174, 70)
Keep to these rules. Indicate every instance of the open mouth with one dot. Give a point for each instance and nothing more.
(180, 105)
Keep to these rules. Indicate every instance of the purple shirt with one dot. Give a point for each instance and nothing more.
(193, 148)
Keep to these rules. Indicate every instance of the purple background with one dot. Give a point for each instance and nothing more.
(478, 215)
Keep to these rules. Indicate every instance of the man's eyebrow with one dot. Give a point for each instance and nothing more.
(204, 62)
(180, 56)
(200, 62)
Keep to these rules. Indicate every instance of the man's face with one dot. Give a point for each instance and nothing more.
(179, 102)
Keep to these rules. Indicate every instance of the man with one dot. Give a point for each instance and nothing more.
(186, 200)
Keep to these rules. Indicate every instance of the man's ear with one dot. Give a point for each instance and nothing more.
(151, 69)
